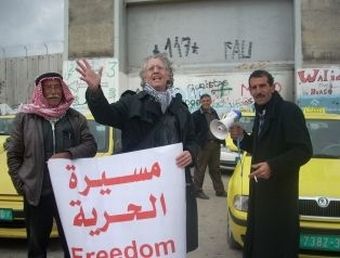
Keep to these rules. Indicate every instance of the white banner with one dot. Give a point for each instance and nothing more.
(126, 205)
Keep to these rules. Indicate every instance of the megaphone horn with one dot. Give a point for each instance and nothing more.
(220, 128)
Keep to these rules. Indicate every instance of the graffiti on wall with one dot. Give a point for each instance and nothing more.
(109, 80)
(238, 49)
(177, 47)
(185, 46)
(228, 91)
(319, 87)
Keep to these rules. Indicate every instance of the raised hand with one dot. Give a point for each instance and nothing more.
(88, 75)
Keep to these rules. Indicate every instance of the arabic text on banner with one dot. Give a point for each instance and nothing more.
(125, 205)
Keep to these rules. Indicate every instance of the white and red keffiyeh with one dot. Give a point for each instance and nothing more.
(39, 104)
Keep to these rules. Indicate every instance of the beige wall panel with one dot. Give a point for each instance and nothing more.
(90, 28)
(18, 76)
(320, 31)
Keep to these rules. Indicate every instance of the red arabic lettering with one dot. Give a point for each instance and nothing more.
(135, 177)
(134, 212)
(80, 220)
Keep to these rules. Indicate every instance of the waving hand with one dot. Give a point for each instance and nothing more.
(88, 75)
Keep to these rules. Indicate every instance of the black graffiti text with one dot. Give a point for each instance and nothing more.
(239, 49)
(179, 47)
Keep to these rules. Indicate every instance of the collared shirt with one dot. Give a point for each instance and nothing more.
(261, 120)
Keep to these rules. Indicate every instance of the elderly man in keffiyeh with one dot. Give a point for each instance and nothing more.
(51, 97)
(45, 128)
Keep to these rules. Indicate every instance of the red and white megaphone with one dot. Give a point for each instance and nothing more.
(220, 128)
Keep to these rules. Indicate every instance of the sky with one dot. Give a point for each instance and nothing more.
(31, 27)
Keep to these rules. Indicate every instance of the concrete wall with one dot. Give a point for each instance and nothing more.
(320, 25)
(211, 33)
(17, 76)
(317, 73)
(214, 45)
(90, 28)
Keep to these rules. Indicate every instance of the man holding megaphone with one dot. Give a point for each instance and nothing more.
(209, 155)
(279, 144)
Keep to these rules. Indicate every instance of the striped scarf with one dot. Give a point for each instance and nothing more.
(162, 97)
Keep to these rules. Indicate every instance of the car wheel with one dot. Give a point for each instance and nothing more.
(230, 239)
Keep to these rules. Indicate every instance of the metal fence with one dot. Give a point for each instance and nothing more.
(17, 75)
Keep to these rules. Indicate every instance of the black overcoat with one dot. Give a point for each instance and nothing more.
(136, 116)
(273, 219)
(202, 127)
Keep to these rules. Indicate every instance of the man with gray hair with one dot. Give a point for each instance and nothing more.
(150, 118)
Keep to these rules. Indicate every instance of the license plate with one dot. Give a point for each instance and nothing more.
(6, 214)
(320, 242)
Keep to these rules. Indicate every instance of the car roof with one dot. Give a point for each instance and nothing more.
(309, 114)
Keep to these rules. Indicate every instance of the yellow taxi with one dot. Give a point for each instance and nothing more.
(12, 223)
(319, 196)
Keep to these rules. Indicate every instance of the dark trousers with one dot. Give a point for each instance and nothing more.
(39, 222)
(191, 218)
(209, 156)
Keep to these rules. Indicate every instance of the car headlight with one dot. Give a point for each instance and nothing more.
(241, 202)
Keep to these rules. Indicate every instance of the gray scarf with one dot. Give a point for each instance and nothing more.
(162, 97)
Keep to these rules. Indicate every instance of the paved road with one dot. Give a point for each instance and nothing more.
(212, 229)
(212, 226)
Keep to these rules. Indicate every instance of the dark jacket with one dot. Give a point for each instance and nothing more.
(202, 127)
(273, 218)
(26, 153)
(136, 116)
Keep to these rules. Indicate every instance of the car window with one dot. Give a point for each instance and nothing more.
(5, 125)
(323, 133)
(101, 134)
(325, 137)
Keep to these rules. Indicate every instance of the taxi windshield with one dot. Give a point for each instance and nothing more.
(325, 137)
(323, 133)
